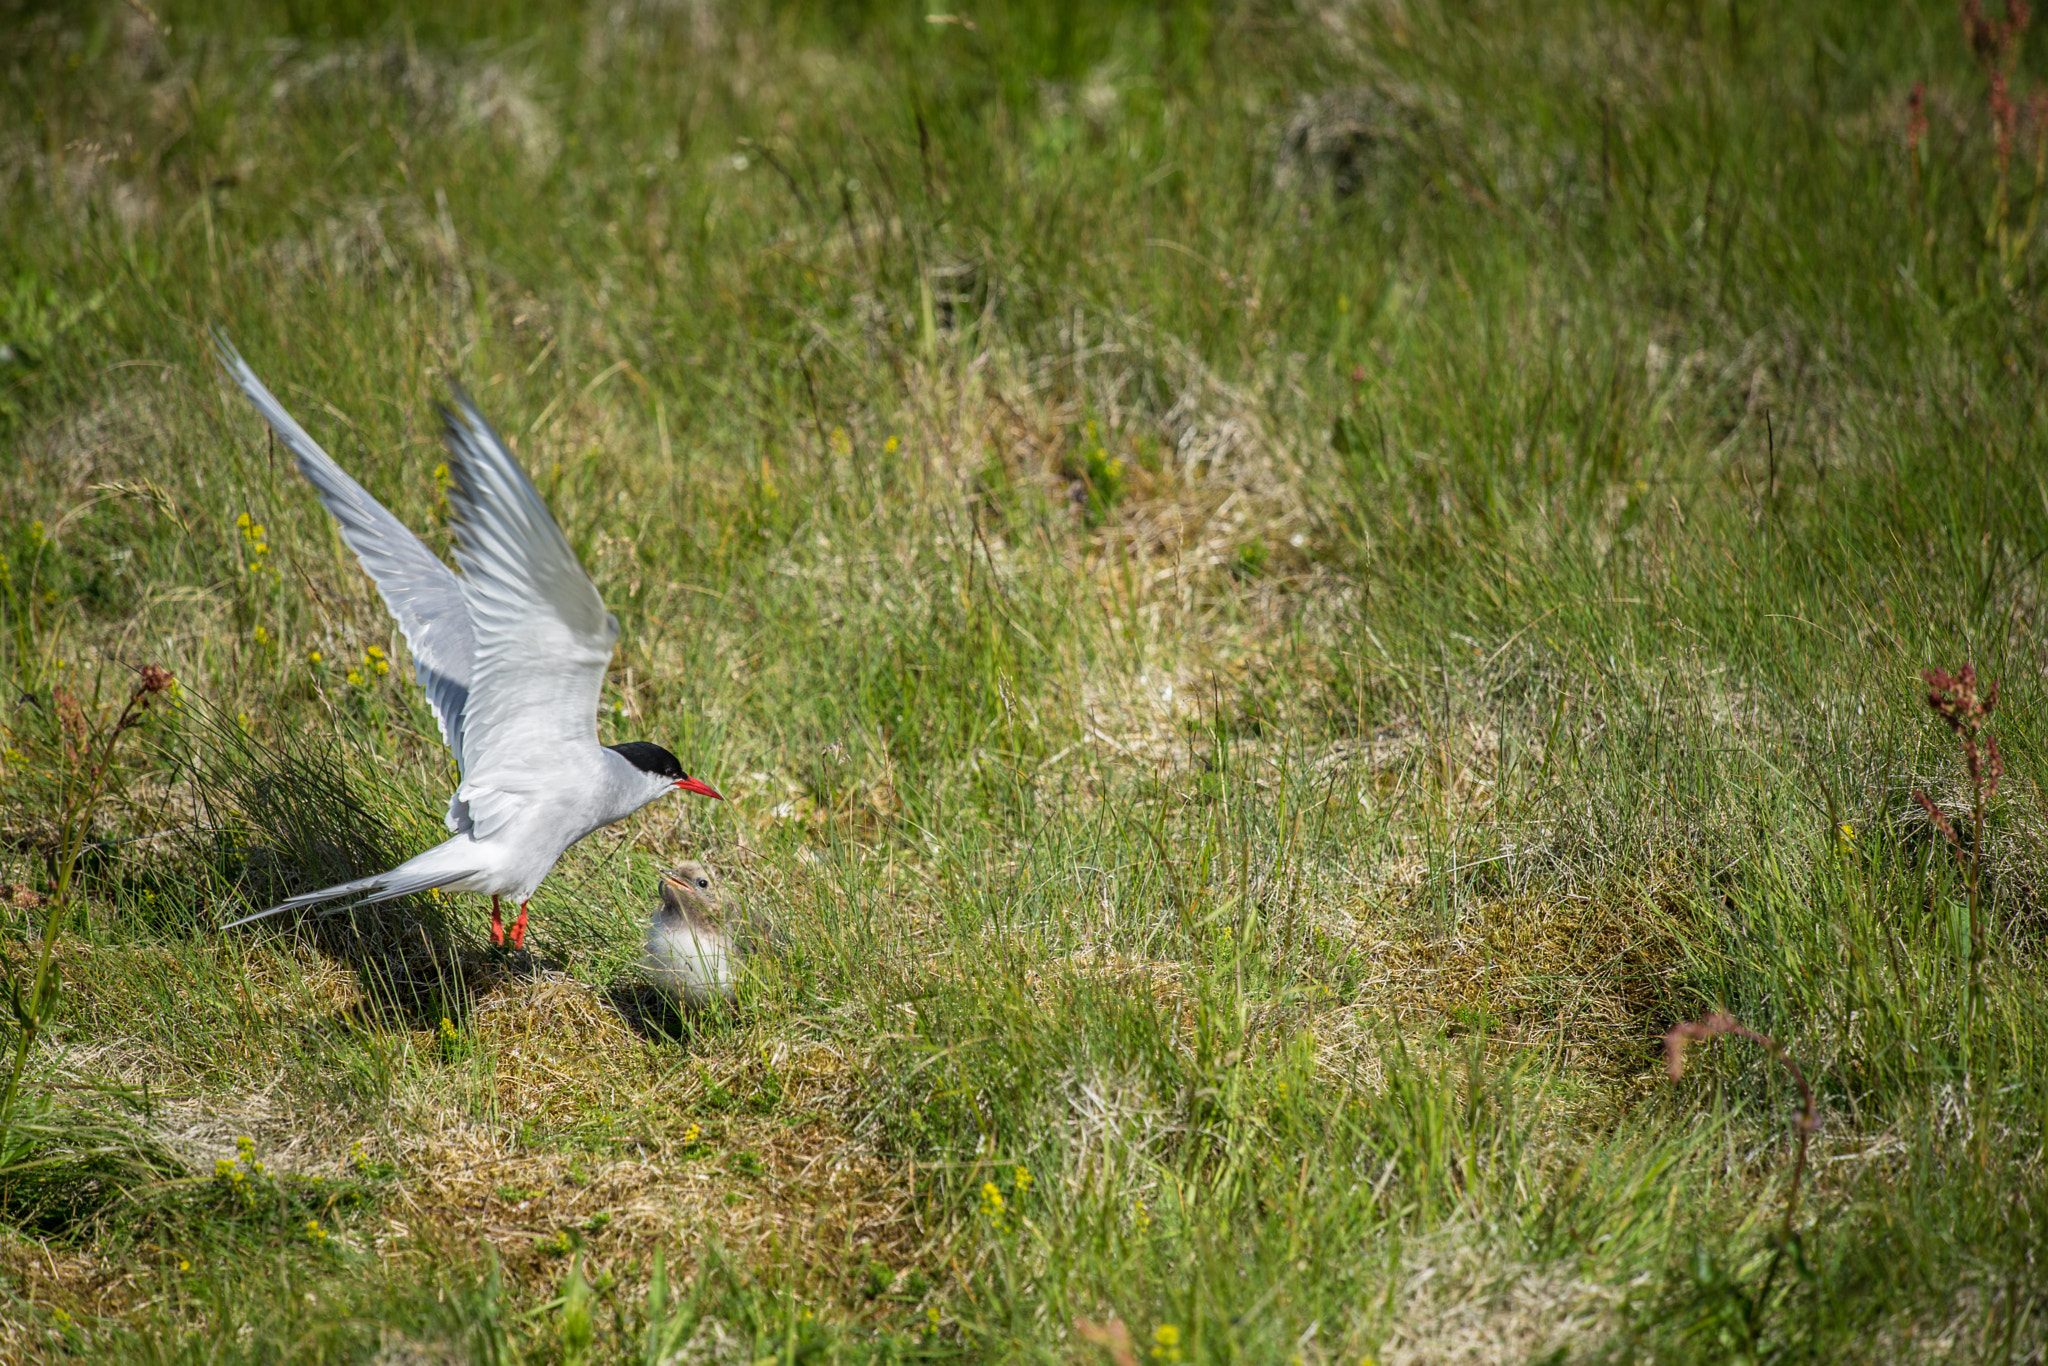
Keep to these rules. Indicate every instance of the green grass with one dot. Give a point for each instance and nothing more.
(1259, 667)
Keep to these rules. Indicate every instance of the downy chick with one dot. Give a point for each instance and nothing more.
(693, 942)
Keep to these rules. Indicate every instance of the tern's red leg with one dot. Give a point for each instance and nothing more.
(497, 924)
(518, 934)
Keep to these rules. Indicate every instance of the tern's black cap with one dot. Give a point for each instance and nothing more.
(649, 757)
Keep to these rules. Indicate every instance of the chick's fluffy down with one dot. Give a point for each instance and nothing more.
(689, 962)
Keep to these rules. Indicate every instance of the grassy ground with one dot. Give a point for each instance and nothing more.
(1278, 591)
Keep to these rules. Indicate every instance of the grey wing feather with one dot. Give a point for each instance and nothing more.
(422, 593)
(543, 636)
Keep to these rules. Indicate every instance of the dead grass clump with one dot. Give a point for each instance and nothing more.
(745, 1147)
(1339, 142)
(1592, 977)
(1455, 1310)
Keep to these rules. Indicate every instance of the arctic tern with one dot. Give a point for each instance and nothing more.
(511, 654)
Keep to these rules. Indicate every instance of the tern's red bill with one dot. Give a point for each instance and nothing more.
(700, 787)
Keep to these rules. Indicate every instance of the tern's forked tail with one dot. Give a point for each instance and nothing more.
(414, 875)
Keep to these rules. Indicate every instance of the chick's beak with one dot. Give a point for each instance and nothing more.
(700, 787)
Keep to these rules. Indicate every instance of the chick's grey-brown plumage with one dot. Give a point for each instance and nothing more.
(696, 939)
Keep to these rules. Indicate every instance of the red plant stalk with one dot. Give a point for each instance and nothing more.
(1712, 1026)
(1995, 44)
(1956, 700)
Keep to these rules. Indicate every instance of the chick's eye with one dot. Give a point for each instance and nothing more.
(703, 882)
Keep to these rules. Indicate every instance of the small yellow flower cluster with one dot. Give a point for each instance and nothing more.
(314, 656)
(891, 446)
(1166, 1343)
(264, 638)
(245, 1146)
(443, 481)
(357, 1157)
(449, 1031)
(993, 1207)
(931, 1321)
(691, 1134)
(1141, 1218)
(258, 548)
(1021, 1179)
(374, 665)
(841, 443)
(315, 1232)
(236, 1171)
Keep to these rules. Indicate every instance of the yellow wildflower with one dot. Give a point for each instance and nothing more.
(993, 1205)
(1166, 1343)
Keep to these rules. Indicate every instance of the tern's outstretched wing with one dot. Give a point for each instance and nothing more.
(422, 593)
(543, 637)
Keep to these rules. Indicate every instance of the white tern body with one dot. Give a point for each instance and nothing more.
(512, 655)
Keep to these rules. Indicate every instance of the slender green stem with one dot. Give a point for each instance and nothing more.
(77, 822)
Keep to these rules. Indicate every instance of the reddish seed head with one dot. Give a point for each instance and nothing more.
(1694, 1031)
